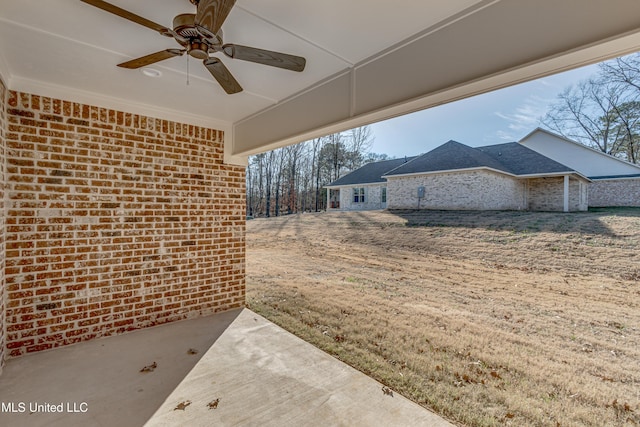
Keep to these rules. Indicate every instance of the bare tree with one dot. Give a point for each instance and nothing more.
(255, 184)
(269, 166)
(315, 170)
(333, 156)
(586, 113)
(625, 71)
(358, 143)
(603, 112)
(291, 161)
(292, 178)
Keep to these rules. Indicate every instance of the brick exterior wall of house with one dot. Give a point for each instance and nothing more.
(547, 194)
(3, 126)
(469, 190)
(114, 222)
(614, 192)
(373, 198)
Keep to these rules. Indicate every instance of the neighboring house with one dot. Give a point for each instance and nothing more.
(362, 189)
(615, 182)
(496, 177)
(541, 172)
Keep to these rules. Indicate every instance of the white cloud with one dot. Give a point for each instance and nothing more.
(505, 136)
(525, 117)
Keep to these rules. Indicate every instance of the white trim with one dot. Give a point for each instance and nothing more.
(459, 16)
(5, 74)
(352, 94)
(304, 91)
(599, 51)
(565, 194)
(553, 175)
(228, 156)
(21, 84)
(367, 184)
(528, 176)
(451, 171)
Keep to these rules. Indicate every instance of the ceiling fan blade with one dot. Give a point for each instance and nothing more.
(130, 16)
(211, 14)
(222, 75)
(266, 57)
(152, 58)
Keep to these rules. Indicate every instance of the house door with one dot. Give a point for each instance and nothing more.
(334, 199)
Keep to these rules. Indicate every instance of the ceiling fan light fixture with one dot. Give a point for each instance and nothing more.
(151, 72)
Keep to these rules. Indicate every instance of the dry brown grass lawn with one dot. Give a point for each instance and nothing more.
(487, 318)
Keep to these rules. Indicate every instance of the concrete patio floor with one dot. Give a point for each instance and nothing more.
(258, 373)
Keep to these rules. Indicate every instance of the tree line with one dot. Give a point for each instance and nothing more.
(291, 179)
(603, 112)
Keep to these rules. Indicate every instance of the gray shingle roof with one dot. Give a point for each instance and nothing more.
(512, 158)
(370, 173)
(521, 160)
(449, 156)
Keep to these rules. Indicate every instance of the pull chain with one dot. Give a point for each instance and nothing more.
(187, 70)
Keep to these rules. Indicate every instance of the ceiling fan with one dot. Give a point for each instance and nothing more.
(200, 34)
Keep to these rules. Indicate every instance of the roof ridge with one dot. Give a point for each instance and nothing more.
(408, 160)
(446, 154)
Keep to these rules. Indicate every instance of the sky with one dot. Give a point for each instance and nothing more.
(505, 115)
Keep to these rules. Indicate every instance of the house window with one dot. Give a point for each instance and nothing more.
(358, 195)
(383, 195)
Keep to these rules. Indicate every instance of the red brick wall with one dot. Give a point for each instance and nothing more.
(115, 222)
(3, 125)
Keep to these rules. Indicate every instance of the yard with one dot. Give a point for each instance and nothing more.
(487, 318)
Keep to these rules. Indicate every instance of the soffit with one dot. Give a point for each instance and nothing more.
(70, 49)
(490, 46)
(366, 60)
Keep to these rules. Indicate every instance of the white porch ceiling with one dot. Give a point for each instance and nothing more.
(367, 60)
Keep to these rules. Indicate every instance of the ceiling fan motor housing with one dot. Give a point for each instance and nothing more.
(196, 46)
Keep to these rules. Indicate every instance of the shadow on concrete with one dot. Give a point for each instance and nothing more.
(247, 372)
(105, 375)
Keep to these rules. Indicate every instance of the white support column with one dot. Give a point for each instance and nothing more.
(566, 193)
(328, 199)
